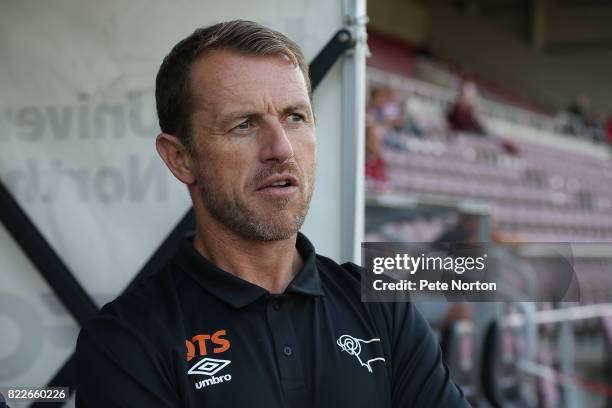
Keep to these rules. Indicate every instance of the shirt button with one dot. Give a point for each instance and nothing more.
(276, 305)
(287, 350)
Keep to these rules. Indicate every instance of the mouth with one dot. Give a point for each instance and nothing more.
(280, 185)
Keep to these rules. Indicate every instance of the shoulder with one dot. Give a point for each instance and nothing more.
(145, 313)
(348, 271)
(153, 299)
(346, 279)
(340, 278)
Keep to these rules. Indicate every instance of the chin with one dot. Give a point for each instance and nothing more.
(277, 228)
(271, 233)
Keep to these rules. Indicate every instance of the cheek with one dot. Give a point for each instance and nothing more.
(312, 157)
(307, 150)
(211, 168)
(230, 165)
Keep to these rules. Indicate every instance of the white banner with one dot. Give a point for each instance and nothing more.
(77, 131)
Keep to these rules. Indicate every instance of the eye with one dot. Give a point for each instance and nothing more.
(246, 125)
(296, 117)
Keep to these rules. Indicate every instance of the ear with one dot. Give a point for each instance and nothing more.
(176, 156)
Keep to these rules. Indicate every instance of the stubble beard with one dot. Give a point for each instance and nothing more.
(274, 220)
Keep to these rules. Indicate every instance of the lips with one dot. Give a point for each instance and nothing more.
(280, 186)
(279, 181)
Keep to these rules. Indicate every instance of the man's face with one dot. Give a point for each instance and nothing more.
(254, 143)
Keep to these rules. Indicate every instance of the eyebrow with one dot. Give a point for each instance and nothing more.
(296, 107)
(228, 119)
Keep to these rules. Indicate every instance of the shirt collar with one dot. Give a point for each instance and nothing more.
(238, 292)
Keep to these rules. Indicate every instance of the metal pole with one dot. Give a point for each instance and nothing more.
(353, 137)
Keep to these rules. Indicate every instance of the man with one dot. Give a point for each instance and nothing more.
(246, 314)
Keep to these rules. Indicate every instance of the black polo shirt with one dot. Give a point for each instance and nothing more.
(194, 335)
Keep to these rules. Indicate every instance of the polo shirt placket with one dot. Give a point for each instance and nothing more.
(287, 352)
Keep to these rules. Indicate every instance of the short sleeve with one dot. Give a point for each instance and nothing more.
(118, 366)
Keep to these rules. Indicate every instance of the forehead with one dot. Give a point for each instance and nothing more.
(224, 79)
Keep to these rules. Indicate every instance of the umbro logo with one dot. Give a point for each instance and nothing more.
(210, 367)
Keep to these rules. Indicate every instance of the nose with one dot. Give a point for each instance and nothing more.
(276, 145)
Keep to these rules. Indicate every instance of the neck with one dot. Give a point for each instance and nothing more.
(268, 264)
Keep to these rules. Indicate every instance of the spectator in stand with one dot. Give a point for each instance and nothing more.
(462, 116)
(374, 161)
(580, 107)
(380, 116)
(578, 115)
(386, 110)
(376, 128)
(374, 109)
(380, 109)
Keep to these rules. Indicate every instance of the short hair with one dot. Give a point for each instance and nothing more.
(173, 95)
